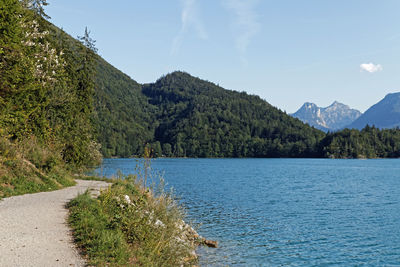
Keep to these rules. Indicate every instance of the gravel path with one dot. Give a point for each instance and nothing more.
(33, 229)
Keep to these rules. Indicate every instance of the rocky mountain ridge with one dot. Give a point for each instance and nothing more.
(331, 118)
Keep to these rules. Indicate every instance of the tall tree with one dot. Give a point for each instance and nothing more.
(81, 147)
(37, 6)
(20, 92)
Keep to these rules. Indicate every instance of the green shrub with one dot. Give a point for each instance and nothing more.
(128, 224)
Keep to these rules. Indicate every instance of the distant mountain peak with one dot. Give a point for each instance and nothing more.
(309, 105)
(331, 118)
(384, 114)
(393, 94)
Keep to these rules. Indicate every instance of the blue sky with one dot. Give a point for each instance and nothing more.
(287, 51)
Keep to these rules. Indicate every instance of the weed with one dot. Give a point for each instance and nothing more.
(29, 167)
(130, 224)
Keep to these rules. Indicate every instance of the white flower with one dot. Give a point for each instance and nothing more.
(127, 199)
(159, 223)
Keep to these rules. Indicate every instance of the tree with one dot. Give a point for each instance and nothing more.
(80, 146)
(22, 96)
(87, 41)
(37, 6)
(167, 149)
(156, 149)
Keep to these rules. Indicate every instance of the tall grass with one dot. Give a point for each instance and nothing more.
(28, 167)
(132, 224)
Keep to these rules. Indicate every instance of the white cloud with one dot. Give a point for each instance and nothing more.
(246, 24)
(190, 19)
(371, 67)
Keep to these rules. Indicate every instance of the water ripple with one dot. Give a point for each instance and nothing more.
(289, 212)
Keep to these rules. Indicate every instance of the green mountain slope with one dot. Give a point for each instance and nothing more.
(183, 116)
(180, 115)
(197, 118)
(124, 118)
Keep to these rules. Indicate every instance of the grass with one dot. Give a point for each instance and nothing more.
(130, 224)
(28, 167)
(93, 233)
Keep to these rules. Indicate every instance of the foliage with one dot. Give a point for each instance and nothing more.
(370, 142)
(29, 167)
(46, 83)
(129, 224)
(183, 116)
(124, 118)
(188, 117)
(200, 119)
(46, 101)
(37, 6)
(22, 97)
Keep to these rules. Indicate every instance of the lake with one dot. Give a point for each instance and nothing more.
(288, 212)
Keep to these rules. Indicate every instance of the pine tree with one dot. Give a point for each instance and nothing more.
(80, 147)
(37, 6)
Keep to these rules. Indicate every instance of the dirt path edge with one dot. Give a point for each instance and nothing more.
(34, 230)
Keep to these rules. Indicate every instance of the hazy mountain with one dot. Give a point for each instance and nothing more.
(331, 118)
(384, 114)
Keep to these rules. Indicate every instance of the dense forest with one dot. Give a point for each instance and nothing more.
(197, 118)
(370, 142)
(124, 118)
(183, 116)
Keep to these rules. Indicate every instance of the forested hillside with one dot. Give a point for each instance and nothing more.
(125, 120)
(47, 83)
(46, 100)
(197, 118)
(370, 142)
(183, 116)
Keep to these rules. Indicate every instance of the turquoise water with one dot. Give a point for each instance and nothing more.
(288, 212)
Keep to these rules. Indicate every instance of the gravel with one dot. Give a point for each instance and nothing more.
(33, 228)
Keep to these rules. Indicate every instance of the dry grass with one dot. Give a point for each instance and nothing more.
(29, 167)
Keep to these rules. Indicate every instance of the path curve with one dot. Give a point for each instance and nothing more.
(33, 228)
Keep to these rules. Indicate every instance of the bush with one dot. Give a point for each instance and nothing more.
(131, 224)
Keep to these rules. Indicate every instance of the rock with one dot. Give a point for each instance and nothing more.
(210, 243)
